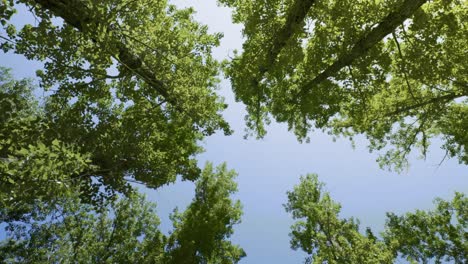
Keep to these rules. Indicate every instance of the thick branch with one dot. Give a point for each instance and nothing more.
(76, 14)
(375, 35)
(294, 18)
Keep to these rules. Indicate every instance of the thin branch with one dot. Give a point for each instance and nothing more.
(134, 181)
(443, 159)
(8, 159)
(403, 66)
(463, 85)
(91, 173)
(78, 243)
(358, 87)
(111, 239)
(7, 39)
(446, 97)
(406, 35)
(94, 72)
(36, 20)
(156, 50)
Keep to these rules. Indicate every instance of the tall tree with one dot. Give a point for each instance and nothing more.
(129, 83)
(392, 70)
(420, 237)
(69, 231)
(323, 235)
(127, 229)
(440, 235)
(201, 231)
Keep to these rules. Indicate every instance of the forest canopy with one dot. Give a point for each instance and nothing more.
(130, 91)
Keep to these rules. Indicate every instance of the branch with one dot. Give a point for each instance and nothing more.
(463, 85)
(294, 18)
(375, 35)
(446, 97)
(7, 39)
(329, 238)
(94, 72)
(403, 66)
(110, 242)
(8, 159)
(331, 245)
(135, 181)
(76, 14)
(90, 173)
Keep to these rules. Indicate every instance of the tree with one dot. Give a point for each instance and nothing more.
(130, 83)
(201, 231)
(127, 229)
(439, 235)
(130, 92)
(421, 236)
(392, 70)
(321, 233)
(69, 231)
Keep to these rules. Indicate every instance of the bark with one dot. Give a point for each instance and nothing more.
(375, 35)
(294, 18)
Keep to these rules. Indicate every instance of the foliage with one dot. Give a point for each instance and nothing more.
(439, 235)
(130, 83)
(126, 231)
(321, 233)
(6, 11)
(421, 236)
(130, 91)
(69, 231)
(392, 70)
(200, 232)
(32, 166)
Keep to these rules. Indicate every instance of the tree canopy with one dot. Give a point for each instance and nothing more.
(130, 91)
(420, 237)
(130, 83)
(68, 230)
(392, 70)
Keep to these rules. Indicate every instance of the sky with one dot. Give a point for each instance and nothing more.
(269, 167)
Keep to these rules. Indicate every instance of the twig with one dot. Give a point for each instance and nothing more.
(403, 66)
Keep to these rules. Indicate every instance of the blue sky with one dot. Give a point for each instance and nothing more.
(269, 167)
